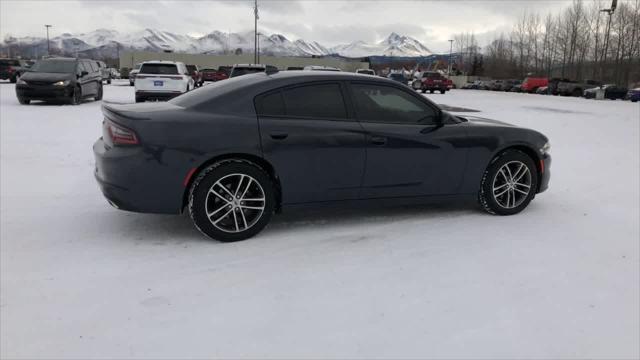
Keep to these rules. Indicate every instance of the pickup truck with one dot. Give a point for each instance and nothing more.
(574, 88)
(433, 81)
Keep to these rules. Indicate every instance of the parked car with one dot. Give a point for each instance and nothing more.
(611, 91)
(573, 88)
(434, 81)
(221, 73)
(115, 74)
(233, 154)
(496, 85)
(507, 85)
(133, 73)
(398, 77)
(244, 69)
(633, 94)
(320, 68)
(552, 87)
(56, 79)
(542, 90)
(195, 74)
(516, 88)
(11, 69)
(104, 71)
(531, 84)
(365, 71)
(467, 85)
(162, 80)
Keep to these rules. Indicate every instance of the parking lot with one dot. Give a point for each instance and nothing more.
(447, 280)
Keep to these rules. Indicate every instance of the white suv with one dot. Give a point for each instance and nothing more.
(162, 80)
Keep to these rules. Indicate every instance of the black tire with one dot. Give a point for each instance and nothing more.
(24, 101)
(431, 91)
(443, 91)
(76, 97)
(13, 79)
(109, 81)
(424, 91)
(491, 203)
(98, 96)
(130, 83)
(198, 200)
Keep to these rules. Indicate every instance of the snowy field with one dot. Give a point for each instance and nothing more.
(80, 279)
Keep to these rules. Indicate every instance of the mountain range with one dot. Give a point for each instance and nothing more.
(107, 43)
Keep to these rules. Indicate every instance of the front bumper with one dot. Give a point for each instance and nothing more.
(545, 174)
(43, 92)
(132, 179)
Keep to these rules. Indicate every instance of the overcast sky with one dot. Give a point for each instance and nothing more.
(329, 22)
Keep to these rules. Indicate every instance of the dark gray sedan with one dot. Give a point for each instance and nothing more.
(234, 152)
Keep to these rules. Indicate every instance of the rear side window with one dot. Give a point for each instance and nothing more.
(271, 105)
(160, 69)
(386, 104)
(315, 101)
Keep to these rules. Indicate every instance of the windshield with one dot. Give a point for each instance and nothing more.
(163, 69)
(239, 71)
(54, 66)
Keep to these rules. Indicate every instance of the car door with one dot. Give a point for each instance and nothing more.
(409, 151)
(87, 82)
(315, 146)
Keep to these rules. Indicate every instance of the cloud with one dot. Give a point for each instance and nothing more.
(329, 22)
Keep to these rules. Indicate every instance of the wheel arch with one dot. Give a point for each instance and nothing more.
(529, 151)
(242, 157)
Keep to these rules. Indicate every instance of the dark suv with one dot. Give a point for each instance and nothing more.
(11, 69)
(65, 79)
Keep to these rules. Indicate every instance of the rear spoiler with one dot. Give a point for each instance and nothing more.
(115, 110)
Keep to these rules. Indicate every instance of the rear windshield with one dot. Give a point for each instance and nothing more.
(209, 92)
(239, 71)
(54, 66)
(9, 63)
(161, 69)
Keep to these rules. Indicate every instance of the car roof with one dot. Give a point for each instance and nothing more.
(260, 66)
(169, 62)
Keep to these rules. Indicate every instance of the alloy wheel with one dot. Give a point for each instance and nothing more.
(512, 184)
(235, 203)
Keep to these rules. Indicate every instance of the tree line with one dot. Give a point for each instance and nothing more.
(580, 42)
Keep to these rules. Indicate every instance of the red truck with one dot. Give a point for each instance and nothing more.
(216, 75)
(531, 84)
(434, 81)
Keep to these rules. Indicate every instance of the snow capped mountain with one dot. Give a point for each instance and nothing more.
(107, 43)
(394, 45)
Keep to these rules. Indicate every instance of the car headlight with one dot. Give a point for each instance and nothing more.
(61, 83)
(545, 148)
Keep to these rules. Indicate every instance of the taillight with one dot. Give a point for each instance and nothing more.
(120, 135)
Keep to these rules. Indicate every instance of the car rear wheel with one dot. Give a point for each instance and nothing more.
(509, 183)
(431, 91)
(443, 91)
(231, 201)
(24, 101)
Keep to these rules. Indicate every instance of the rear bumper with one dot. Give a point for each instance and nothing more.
(132, 181)
(45, 92)
(157, 95)
(545, 175)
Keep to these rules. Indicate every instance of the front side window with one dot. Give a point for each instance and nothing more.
(315, 101)
(386, 104)
(159, 69)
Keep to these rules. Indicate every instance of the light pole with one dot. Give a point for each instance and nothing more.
(609, 11)
(450, 51)
(48, 48)
(255, 32)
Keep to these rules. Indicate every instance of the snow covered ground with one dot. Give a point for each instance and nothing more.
(80, 279)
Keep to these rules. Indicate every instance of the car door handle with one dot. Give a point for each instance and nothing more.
(279, 135)
(378, 140)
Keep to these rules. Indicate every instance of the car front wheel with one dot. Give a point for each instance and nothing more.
(231, 201)
(509, 183)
